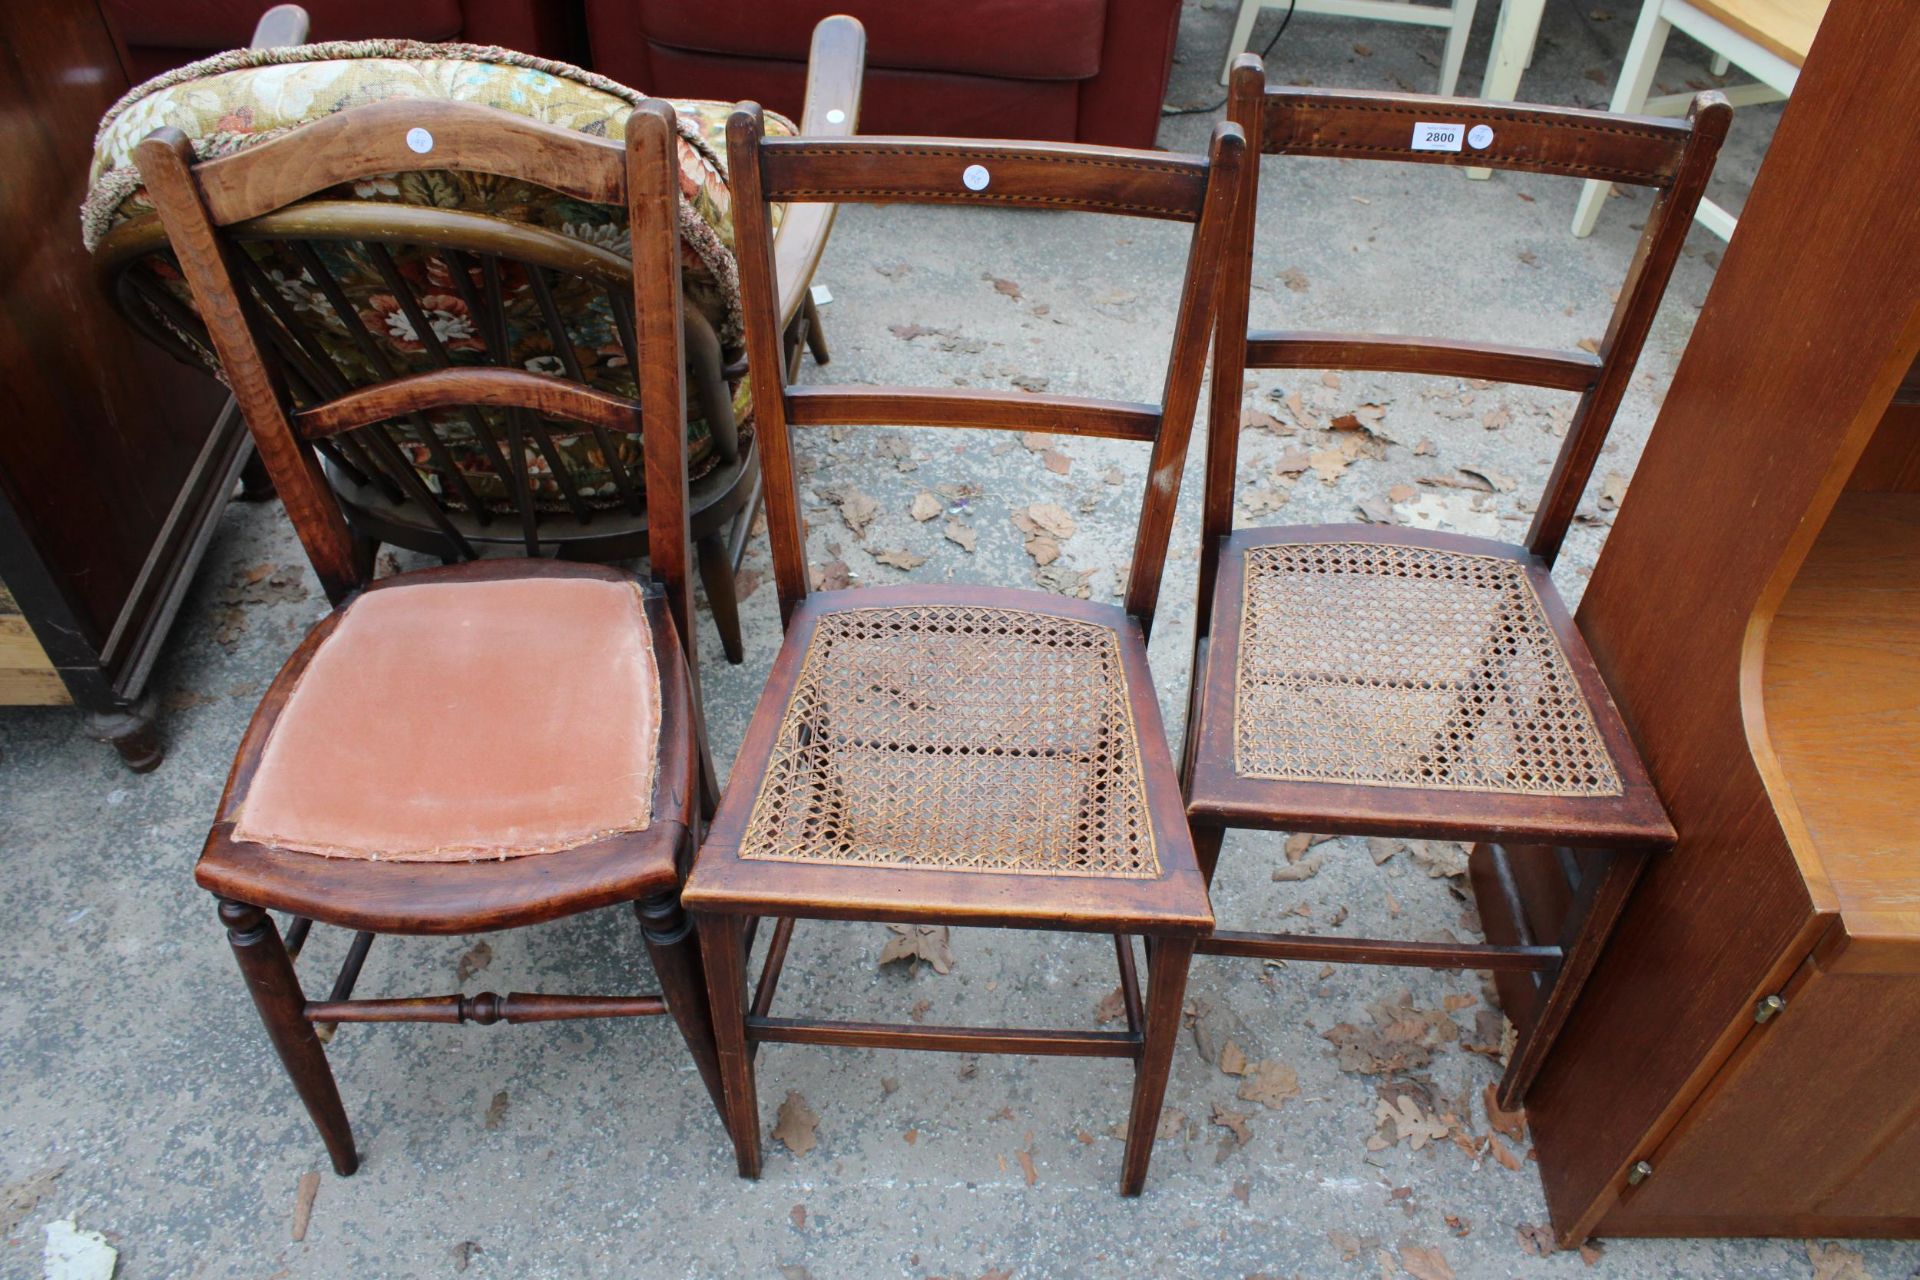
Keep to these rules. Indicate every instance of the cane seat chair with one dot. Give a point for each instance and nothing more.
(962, 755)
(473, 747)
(397, 274)
(1375, 680)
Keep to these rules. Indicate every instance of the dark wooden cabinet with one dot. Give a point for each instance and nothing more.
(115, 461)
(1746, 1056)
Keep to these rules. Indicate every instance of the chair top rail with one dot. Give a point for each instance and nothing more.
(1036, 175)
(1563, 141)
(406, 135)
(1006, 410)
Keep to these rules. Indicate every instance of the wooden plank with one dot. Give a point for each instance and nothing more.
(35, 687)
(893, 1035)
(1782, 27)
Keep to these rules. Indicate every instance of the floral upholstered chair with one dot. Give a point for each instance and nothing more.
(365, 282)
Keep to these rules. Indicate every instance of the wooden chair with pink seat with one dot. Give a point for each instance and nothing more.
(481, 746)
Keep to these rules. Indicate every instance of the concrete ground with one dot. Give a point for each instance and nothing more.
(138, 1094)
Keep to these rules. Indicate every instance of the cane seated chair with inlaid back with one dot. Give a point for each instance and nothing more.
(962, 755)
(1377, 680)
(473, 747)
(396, 274)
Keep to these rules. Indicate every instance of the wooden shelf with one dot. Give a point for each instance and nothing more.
(1842, 698)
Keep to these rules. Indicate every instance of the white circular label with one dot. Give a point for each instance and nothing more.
(976, 177)
(836, 116)
(1480, 137)
(419, 140)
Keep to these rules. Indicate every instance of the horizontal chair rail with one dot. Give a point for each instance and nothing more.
(1446, 357)
(485, 1008)
(1564, 141)
(901, 1035)
(380, 138)
(1035, 175)
(1386, 951)
(465, 387)
(1006, 410)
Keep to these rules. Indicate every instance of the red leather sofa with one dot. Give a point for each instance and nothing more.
(157, 35)
(1069, 70)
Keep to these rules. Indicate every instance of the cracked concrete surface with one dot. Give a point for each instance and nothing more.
(132, 1065)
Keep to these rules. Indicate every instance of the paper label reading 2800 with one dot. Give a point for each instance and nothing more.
(1438, 137)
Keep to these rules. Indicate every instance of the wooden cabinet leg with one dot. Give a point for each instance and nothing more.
(1167, 960)
(675, 952)
(276, 993)
(723, 950)
(816, 335)
(132, 731)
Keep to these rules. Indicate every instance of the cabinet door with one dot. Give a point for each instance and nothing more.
(1811, 1128)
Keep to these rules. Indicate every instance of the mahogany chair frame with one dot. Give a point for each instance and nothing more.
(384, 498)
(1592, 851)
(201, 205)
(727, 894)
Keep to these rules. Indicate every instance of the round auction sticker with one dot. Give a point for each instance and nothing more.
(1480, 137)
(976, 177)
(419, 140)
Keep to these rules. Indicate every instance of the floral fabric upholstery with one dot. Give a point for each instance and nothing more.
(234, 100)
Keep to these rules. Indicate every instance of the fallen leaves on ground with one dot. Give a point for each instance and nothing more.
(1112, 1006)
(796, 1125)
(1511, 1123)
(1835, 1262)
(900, 558)
(1403, 1120)
(1006, 288)
(926, 506)
(1402, 1038)
(496, 1110)
(962, 535)
(1613, 491)
(1305, 869)
(1270, 1084)
(1535, 1239)
(1439, 858)
(1232, 1061)
(831, 576)
(1053, 518)
(910, 942)
(1235, 1121)
(1064, 580)
(18, 1199)
(857, 509)
(1424, 1263)
(1295, 279)
(477, 957)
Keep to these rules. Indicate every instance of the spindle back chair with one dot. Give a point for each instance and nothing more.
(349, 290)
(1362, 679)
(948, 755)
(422, 676)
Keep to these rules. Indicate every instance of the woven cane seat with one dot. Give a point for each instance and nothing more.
(907, 732)
(1394, 662)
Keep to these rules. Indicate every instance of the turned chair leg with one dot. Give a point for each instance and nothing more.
(716, 575)
(276, 992)
(1167, 960)
(1590, 919)
(675, 951)
(723, 951)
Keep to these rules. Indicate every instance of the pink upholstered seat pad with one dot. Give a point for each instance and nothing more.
(455, 721)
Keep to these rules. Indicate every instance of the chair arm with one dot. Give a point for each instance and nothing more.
(282, 25)
(836, 65)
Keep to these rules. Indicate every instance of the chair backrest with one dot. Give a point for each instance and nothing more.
(1674, 157)
(360, 282)
(216, 211)
(1003, 175)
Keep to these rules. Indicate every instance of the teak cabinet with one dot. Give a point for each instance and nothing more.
(1746, 1056)
(115, 461)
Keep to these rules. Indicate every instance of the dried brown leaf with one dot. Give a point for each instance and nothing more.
(1423, 1263)
(926, 506)
(961, 535)
(1053, 518)
(796, 1125)
(1236, 1121)
(831, 576)
(910, 942)
(473, 960)
(900, 559)
(303, 1196)
(1270, 1084)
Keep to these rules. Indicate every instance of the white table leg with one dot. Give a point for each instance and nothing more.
(1242, 34)
(1513, 37)
(1629, 95)
(1456, 47)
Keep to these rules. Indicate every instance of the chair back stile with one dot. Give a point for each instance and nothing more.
(212, 209)
(1006, 175)
(1674, 157)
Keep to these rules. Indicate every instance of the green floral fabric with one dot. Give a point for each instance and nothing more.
(234, 100)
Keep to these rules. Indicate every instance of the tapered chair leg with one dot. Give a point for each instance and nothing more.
(675, 952)
(723, 951)
(723, 597)
(1167, 960)
(1590, 919)
(276, 992)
